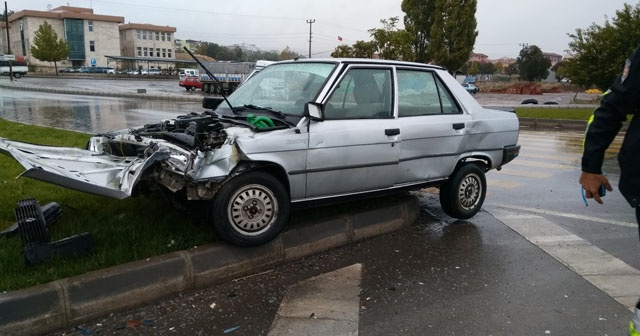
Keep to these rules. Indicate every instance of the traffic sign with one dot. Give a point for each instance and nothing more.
(7, 57)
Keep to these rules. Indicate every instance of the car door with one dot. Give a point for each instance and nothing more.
(432, 125)
(356, 148)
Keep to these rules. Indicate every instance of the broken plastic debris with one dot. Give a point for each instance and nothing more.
(230, 330)
(212, 306)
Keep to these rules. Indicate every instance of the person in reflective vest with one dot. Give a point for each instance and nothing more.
(619, 103)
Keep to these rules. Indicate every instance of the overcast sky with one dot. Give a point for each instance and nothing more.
(503, 25)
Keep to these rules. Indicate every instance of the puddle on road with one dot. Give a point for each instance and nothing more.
(89, 114)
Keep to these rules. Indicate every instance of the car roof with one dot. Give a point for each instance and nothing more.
(367, 61)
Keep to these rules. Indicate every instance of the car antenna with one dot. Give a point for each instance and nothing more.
(210, 75)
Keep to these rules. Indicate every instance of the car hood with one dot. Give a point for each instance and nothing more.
(79, 169)
(189, 148)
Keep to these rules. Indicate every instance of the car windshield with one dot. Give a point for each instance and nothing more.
(283, 87)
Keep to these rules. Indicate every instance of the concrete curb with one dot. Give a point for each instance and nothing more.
(62, 303)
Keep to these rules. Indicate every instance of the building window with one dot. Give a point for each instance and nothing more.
(157, 36)
(168, 36)
(139, 51)
(163, 35)
(138, 34)
(145, 52)
(169, 53)
(150, 52)
(164, 53)
(90, 24)
(92, 46)
(157, 52)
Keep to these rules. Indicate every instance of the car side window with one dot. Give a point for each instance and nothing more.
(422, 93)
(362, 94)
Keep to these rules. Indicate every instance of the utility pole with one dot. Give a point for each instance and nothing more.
(310, 22)
(6, 22)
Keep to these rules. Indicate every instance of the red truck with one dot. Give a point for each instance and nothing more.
(189, 79)
(228, 76)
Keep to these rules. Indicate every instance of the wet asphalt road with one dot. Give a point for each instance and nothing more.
(437, 277)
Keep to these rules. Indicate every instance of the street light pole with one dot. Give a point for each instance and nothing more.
(310, 22)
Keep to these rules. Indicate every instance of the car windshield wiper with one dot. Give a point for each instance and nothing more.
(244, 107)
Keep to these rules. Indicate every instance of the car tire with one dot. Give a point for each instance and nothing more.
(250, 209)
(462, 195)
(17, 75)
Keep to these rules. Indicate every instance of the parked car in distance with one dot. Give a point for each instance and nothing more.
(70, 69)
(470, 88)
(297, 132)
(154, 72)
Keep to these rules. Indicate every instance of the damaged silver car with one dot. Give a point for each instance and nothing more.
(298, 131)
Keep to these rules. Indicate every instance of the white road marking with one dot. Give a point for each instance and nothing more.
(328, 304)
(608, 273)
(563, 214)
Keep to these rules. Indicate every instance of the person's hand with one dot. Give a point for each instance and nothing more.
(591, 184)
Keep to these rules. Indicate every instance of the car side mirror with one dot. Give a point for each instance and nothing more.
(211, 102)
(314, 111)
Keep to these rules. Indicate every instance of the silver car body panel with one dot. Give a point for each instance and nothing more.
(320, 159)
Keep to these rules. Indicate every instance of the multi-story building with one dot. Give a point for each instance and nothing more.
(91, 37)
(552, 57)
(478, 58)
(147, 42)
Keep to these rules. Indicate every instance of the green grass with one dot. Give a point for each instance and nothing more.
(555, 113)
(122, 230)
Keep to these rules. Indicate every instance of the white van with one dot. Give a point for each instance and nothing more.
(18, 68)
(188, 72)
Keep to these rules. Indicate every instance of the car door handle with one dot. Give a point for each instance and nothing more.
(392, 131)
(458, 126)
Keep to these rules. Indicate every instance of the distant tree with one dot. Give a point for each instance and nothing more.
(512, 69)
(418, 20)
(343, 51)
(46, 46)
(362, 49)
(3, 16)
(287, 54)
(532, 64)
(392, 43)
(598, 53)
(453, 32)
(474, 69)
(560, 70)
(487, 68)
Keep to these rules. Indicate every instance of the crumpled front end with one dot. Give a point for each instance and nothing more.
(116, 163)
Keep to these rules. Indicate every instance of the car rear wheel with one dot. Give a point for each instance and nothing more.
(463, 194)
(251, 209)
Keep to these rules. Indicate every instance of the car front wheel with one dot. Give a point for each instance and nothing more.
(251, 209)
(463, 194)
